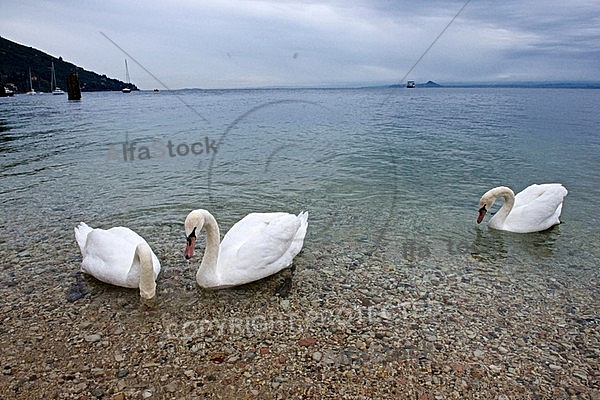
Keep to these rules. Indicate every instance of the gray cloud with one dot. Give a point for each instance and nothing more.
(252, 43)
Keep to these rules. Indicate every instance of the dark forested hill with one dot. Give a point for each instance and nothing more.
(16, 60)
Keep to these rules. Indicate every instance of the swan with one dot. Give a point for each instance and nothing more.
(535, 209)
(118, 256)
(259, 245)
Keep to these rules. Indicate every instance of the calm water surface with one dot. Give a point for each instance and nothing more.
(400, 177)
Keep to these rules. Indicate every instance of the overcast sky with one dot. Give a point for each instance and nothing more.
(235, 43)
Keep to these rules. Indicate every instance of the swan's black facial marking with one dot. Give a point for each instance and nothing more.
(191, 235)
(482, 212)
(191, 242)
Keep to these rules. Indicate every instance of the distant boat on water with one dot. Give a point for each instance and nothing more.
(31, 91)
(53, 88)
(6, 92)
(126, 89)
(410, 84)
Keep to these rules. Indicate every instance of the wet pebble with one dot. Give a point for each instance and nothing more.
(317, 356)
(307, 342)
(76, 292)
(122, 373)
(80, 387)
(92, 338)
(172, 387)
(580, 374)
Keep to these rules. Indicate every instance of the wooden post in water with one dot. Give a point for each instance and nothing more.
(73, 86)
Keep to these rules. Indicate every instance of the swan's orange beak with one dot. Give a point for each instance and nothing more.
(482, 212)
(189, 248)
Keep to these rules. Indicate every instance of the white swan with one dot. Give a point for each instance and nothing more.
(118, 256)
(535, 209)
(259, 245)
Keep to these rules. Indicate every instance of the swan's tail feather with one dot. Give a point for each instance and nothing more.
(303, 217)
(81, 232)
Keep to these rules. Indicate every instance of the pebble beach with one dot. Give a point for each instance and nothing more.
(351, 326)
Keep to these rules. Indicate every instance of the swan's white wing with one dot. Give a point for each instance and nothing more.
(108, 255)
(126, 235)
(533, 192)
(248, 226)
(536, 208)
(259, 245)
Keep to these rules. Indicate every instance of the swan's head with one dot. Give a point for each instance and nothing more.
(485, 204)
(487, 200)
(194, 223)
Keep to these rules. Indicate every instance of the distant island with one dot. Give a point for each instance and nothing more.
(16, 60)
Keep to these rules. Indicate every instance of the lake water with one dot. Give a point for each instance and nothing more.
(399, 177)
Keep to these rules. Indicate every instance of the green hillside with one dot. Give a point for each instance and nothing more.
(16, 59)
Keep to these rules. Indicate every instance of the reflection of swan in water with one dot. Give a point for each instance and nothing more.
(486, 250)
(493, 246)
(535, 209)
(259, 245)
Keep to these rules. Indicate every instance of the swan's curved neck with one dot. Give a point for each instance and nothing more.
(208, 267)
(509, 201)
(147, 283)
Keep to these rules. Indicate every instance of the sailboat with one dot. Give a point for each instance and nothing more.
(53, 88)
(31, 91)
(126, 89)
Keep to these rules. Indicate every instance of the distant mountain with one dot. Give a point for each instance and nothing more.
(428, 84)
(16, 60)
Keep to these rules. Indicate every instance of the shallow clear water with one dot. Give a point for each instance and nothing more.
(399, 177)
